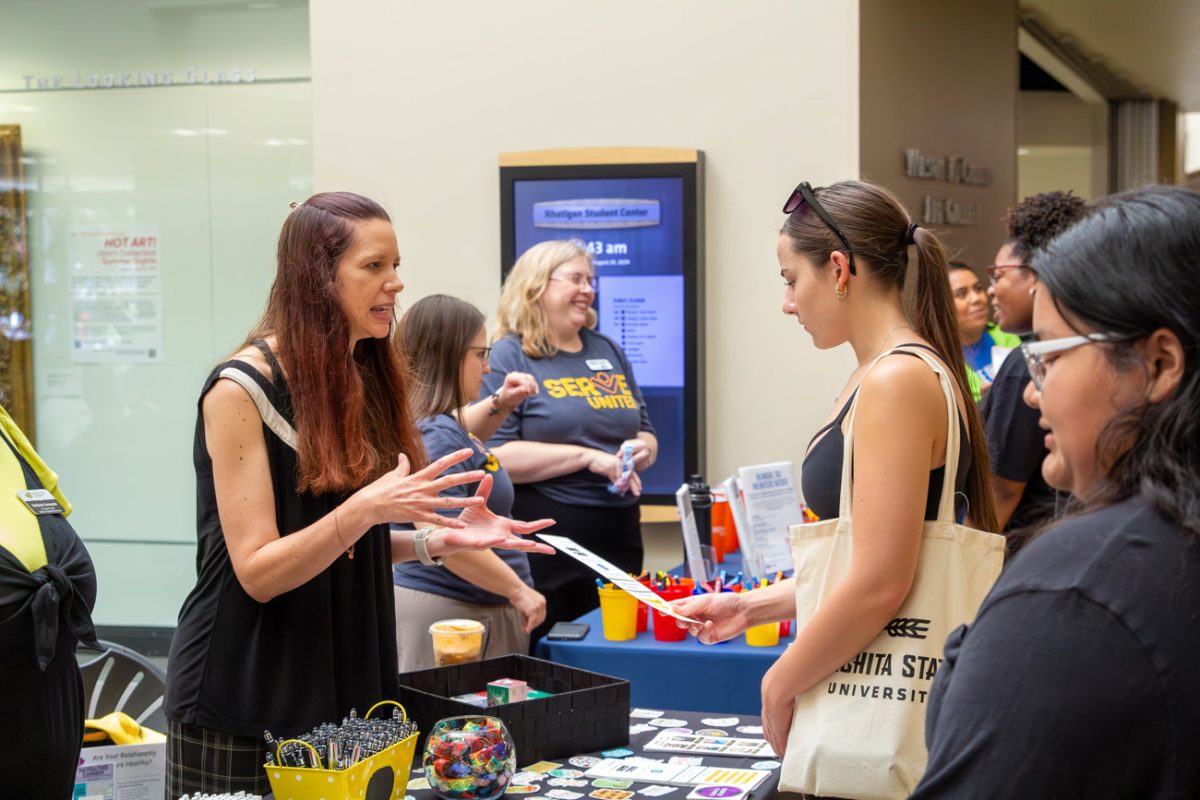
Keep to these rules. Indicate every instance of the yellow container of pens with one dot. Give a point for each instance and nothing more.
(384, 774)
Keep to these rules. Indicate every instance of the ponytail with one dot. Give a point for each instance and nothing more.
(934, 318)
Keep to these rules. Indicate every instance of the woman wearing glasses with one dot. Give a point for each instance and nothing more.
(1014, 440)
(562, 447)
(446, 344)
(843, 254)
(1078, 676)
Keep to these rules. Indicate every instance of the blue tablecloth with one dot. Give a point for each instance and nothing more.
(684, 675)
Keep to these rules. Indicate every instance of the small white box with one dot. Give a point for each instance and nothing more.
(122, 772)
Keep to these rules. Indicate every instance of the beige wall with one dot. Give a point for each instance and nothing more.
(1062, 143)
(941, 76)
(414, 100)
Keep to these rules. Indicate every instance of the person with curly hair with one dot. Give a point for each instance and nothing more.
(1015, 445)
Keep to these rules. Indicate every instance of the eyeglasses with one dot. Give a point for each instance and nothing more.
(580, 280)
(484, 353)
(804, 194)
(1034, 351)
(995, 270)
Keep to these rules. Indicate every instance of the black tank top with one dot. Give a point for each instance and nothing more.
(305, 657)
(821, 471)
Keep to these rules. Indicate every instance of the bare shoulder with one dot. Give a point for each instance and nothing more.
(902, 381)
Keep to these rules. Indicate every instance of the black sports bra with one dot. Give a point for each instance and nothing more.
(821, 471)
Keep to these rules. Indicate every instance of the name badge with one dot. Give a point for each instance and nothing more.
(598, 364)
(39, 501)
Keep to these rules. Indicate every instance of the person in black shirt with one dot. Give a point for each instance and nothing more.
(305, 449)
(1015, 447)
(1078, 677)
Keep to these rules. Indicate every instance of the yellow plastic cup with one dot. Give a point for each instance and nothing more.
(763, 635)
(618, 612)
(456, 641)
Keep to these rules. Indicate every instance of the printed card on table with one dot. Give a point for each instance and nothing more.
(615, 575)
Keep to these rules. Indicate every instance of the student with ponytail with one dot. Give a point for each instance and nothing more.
(844, 254)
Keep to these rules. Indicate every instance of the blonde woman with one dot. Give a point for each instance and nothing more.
(562, 446)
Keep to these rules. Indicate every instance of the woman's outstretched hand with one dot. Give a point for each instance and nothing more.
(482, 530)
(399, 496)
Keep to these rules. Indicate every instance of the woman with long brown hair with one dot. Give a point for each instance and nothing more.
(844, 254)
(446, 343)
(305, 450)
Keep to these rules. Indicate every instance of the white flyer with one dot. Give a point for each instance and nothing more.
(616, 576)
(772, 506)
(691, 535)
(751, 564)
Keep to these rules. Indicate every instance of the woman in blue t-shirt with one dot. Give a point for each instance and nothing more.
(446, 343)
(562, 447)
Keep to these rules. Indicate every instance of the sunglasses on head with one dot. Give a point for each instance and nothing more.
(804, 195)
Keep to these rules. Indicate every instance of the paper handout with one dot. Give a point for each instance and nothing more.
(616, 576)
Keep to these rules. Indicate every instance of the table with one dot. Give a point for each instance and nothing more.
(767, 789)
(683, 675)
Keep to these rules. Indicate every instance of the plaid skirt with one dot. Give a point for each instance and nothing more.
(203, 760)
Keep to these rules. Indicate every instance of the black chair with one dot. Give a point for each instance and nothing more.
(121, 679)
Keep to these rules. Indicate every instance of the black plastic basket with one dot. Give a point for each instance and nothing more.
(587, 711)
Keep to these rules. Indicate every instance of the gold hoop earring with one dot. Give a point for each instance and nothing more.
(840, 292)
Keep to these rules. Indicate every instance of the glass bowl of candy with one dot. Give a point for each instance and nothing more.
(469, 758)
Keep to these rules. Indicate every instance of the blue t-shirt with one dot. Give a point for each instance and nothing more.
(587, 398)
(443, 435)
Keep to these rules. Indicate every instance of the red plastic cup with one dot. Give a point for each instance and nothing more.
(666, 629)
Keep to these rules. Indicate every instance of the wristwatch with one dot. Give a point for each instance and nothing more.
(421, 546)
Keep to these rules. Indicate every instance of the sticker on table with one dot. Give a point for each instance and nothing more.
(583, 762)
(611, 783)
(522, 788)
(667, 722)
(565, 783)
(618, 577)
(657, 790)
(676, 730)
(528, 777)
(644, 713)
(708, 792)
(616, 752)
(691, 761)
(752, 729)
(566, 773)
(721, 722)
(418, 783)
(542, 766)
(611, 794)
(766, 765)
(634, 730)
(711, 732)
(563, 794)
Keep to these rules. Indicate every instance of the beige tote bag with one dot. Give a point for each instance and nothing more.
(860, 733)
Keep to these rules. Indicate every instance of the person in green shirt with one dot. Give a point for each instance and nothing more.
(985, 346)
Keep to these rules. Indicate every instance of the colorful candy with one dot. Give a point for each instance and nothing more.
(469, 758)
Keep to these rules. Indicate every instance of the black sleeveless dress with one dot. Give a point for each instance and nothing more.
(302, 658)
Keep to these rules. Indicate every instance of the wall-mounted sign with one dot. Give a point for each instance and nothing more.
(952, 169)
(946, 211)
(124, 80)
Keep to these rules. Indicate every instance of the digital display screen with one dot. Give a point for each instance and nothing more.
(636, 230)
